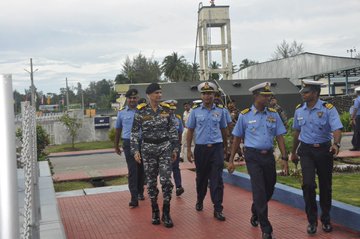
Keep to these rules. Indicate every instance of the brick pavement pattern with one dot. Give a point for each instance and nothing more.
(107, 216)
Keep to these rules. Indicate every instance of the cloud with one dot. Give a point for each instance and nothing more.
(89, 40)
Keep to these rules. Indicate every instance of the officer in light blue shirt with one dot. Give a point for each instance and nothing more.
(315, 124)
(257, 126)
(175, 164)
(209, 123)
(123, 128)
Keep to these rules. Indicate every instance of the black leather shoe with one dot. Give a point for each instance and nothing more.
(254, 221)
(141, 197)
(327, 227)
(179, 191)
(220, 216)
(199, 206)
(266, 235)
(133, 204)
(311, 229)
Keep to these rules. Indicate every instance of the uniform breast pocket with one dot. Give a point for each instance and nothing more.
(301, 122)
(215, 120)
(200, 120)
(128, 119)
(321, 123)
(270, 126)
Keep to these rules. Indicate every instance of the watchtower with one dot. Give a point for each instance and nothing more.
(210, 17)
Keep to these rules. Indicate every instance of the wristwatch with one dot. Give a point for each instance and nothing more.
(337, 144)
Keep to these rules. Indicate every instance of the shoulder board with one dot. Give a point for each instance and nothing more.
(245, 111)
(178, 116)
(121, 108)
(165, 104)
(195, 106)
(272, 110)
(142, 105)
(299, 105)
(219, 106)
(328, 105)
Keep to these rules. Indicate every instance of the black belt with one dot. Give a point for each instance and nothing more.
(260, 151)
(208, 145)
(156, 141)
(322, 145)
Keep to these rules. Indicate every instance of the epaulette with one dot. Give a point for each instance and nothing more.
(165, 105)
(121, 108)
(178, 116)
(272, 110)
(328, 105)
(219, 106)
(245, 111)
(140, 106)
(299, 105)
(195, 106)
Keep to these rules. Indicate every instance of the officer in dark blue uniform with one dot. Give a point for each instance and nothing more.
(355, 120)
(315, 122)
(175, 165)
(123, 128)
(209, 123)
(257, 126)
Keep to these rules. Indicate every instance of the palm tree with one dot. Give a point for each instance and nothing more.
(246, 63)
(173, 67)
(215, 65)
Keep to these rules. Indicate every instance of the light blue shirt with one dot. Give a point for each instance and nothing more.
(178, 124)
(207, 124)
(124, 121)
(227, 116)
(316, 124)
(357, 105)
(258, 129)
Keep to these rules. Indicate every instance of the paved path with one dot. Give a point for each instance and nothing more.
(108, 216)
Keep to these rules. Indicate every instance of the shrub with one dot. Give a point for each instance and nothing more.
(42, 139)
(345, 120)
(111, 134)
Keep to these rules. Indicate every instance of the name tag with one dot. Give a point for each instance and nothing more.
(252, 121)
(300, 118)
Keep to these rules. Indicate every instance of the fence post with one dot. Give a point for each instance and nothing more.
(9, 210)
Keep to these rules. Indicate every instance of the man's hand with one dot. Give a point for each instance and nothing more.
(334, 149)
(189, 155)
(285, 167)
(174, 156)
(231, 167)
(137, 157)
(117, 150)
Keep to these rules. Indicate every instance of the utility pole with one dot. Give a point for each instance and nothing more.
(67, 95)
(31, 72)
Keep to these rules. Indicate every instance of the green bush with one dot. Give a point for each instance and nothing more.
(42, 139)
(345, 120)
(111, 134)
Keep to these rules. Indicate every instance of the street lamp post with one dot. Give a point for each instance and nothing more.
(351, 51)
(31, 72)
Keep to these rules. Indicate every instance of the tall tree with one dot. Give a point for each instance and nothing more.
(141, 70)
(285, 50)
(174, 67)
(246, 63)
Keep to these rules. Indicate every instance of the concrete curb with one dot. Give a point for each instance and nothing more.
(341, 213)
(79, 153)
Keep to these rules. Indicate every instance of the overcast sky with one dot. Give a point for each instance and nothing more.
(89, 40)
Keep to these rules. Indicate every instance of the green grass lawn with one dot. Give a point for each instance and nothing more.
(79, 146)
(346, 186)
(78, 185)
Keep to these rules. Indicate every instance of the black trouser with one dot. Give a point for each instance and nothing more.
(262, 171)
(209, 162)
(320, 161)
(176, 171)
(356, 137)
(135, 172)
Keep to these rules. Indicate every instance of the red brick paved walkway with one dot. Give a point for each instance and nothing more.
(108, 216)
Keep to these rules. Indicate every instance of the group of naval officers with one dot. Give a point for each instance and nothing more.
(152, 137)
